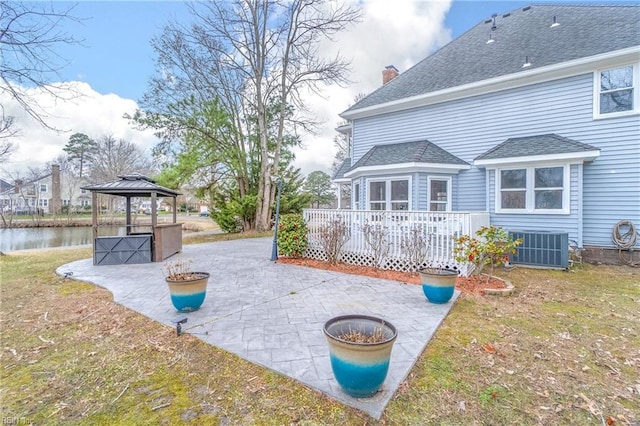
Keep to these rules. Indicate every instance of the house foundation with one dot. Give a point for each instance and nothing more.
(610, 256)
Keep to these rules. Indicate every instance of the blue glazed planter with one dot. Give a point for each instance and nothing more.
(359, 368)
(438, 285)
(188, 296)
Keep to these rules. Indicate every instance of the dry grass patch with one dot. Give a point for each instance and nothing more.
(70, 355)
(564, 350)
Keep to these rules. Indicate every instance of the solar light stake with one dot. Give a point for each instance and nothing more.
(179, 323)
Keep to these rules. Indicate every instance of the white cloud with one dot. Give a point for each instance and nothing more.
(89, 112)
(398, 33)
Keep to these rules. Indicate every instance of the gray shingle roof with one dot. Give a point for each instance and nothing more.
(407, 152)
(4, 185)
(134, 185)
(583, 31)
(346, 165)
(535, 145)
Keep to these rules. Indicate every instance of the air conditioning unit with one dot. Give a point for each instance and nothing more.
(539, 248)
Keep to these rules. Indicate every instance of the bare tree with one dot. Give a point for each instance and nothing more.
(258, 59)
(114, 157)
(341, 141)
(8, 130)
(30, 32)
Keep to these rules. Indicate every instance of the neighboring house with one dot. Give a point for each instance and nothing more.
(5, 202)
(44, 194)
(531, 115)
(37, 195)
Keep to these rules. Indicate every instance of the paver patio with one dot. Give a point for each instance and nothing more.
(272, 314)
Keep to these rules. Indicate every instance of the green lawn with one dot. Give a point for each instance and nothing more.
(564, 350)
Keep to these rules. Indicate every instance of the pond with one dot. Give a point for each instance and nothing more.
(35, 238)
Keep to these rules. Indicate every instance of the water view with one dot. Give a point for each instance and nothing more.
(34, 238)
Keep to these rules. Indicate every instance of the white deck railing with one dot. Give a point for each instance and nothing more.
(440, 228)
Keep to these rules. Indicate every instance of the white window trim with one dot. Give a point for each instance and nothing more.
(636, 92)
(449, 186)
(387, 194)
(46, 187)
(355, 191)
(530, 190)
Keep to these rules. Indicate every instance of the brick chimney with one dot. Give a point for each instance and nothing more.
(389, 73)
(56, 199)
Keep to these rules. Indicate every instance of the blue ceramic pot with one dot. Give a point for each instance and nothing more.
(359, 368)
(438, 284)
(188, 295)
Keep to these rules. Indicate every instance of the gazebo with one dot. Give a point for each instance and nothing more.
(142, 243)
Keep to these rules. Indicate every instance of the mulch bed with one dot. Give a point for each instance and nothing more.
(469, 285)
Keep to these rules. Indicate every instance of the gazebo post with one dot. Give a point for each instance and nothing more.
(154, 220)
(128, 215)
(94, 214)
(175, 210)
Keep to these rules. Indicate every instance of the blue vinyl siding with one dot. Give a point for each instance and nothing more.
(540, 222)
(469, 127)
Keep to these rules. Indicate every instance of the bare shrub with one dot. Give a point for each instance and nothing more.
(415, 247)
(377, 335)
(377, 238)
(333, 236)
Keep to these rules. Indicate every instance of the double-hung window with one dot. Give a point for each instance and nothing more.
(400, 194)
(616, 91)
(439, 194)
(533, 190)
(43, 187)
(390, 194)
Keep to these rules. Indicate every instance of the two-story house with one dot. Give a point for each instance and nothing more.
(37, 195)
(532, 115)
(50, 192)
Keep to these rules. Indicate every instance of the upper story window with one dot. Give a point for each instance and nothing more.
(43, 187)
(616, 91)
(533, 190)
(392, 194)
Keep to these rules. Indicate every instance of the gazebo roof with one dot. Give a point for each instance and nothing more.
(132, 185)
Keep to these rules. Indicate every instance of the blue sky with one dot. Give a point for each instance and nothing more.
(112, 67)
(116, 56)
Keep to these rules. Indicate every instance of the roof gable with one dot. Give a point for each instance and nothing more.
(407, 152)
(133, 184)
(535, 145)
(346, 165)
(521, 35)
(531, 147)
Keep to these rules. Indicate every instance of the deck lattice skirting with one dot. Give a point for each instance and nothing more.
(442, 228)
